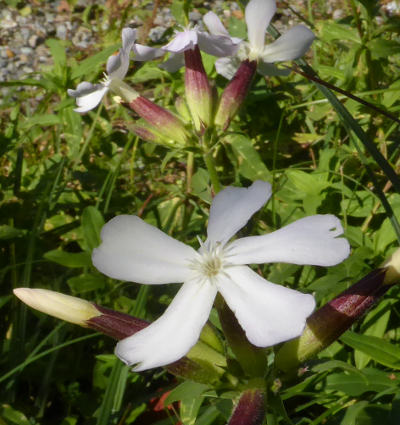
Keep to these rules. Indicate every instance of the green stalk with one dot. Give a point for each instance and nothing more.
(212, 171)
(209, 161)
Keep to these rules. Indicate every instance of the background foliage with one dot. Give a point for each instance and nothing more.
(64, 175)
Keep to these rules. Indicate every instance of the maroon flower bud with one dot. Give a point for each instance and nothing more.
(251, 408)
(326, 325)
(197, 88)
(235, 93)
(163, 121)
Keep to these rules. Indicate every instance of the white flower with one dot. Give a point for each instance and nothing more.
(219, 44)
(89, 95)
(135, 251)
(291, 45)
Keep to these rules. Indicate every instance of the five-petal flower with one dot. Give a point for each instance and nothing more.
(258, 14)
(135, 251)
(89, 95)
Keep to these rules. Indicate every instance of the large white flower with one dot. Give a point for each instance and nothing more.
(89, 95)
(135, 251)
(258, 14)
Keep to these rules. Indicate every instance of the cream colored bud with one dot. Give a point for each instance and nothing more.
(64, 307)
(392, 275)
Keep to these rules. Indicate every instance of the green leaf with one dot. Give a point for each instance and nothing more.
(250, 163)
(354, 384)
(92, 222)
(312, 184)
(333, 31)
(9, 232)
(378, 349)
(384, 236)
(350, 418)
(12, 416)
(42, 120)
(4, 300)
(379, 318)
(57, 50)
(381, 48)
(178, 12)
(86, 282)
(189, 394)
(201, 185)
(149, 71)
(391, 95)
(93, 62)
(69, 259)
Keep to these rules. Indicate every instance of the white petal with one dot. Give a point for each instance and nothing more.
(232, 208)
(117, 65)
(172, 335)
(258, 15)
(289, 46)
(183, 40)
(227, 67)
(174, 62)
(214, 24)
(135, 251)
(87, 95)
(215, 27)
(145, 53)
(216, 45)
(268, 313)
(311, 240)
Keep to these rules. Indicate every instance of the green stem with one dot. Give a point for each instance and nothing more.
(212, 171)
(189, 171)
(207, 144)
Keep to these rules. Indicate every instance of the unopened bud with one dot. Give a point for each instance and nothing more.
(326, 325)
(235, 93)
(197, 89)
(109, 322)
(64, 307)
(164, 122)
(392, 266)
(250, 409)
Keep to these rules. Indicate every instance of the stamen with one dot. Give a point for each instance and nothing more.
(210, 262)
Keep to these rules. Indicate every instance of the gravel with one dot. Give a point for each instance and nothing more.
(23, 32)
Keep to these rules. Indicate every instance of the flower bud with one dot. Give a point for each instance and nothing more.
(109, 322)
(163, 121)
(235, 93)
(149, 134)
(250, 409)
(64, 307)
(197, 88)
(326, 325)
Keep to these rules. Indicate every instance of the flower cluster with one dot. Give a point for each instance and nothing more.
(184, 49)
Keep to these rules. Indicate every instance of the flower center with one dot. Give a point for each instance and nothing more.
(210, 261)
(211, 264)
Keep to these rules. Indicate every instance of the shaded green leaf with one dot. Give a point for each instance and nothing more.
(378, 349)
(250, 163)
(92, 222)
(69, 259)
